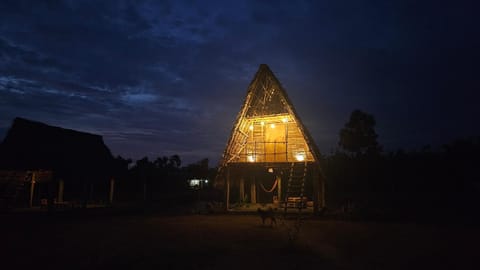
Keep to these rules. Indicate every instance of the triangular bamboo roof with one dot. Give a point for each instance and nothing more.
(265, 97)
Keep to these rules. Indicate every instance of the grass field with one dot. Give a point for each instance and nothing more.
(229, 242)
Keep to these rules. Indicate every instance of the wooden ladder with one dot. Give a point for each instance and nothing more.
(294, 198)
(295, 195)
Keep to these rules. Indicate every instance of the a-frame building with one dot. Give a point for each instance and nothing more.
(270, 146)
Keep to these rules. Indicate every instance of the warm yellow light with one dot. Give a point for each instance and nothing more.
(285, 120)
(300, 157)
(250, 159)
(270, 170)
(262, 123)
(272, 125)
(251, 127)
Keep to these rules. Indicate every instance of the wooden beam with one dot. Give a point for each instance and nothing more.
(253, 191)
(112, 189)
(242, 189)
(227, 190)
(316, 191)
(322, 187)
(32, 189)
(279, 187)
(60, 191)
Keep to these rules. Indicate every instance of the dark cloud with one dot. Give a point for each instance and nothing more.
(165, 77)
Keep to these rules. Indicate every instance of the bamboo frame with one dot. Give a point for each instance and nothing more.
(252, 140)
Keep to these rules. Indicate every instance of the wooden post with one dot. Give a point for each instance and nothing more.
(60, 191)
(279, 187)
(91, 192)
(227, 190)
(112, 188)
(242, 190)
(253, 191)
(144, 191)
(316, 191)
(32, 189)
(323, 199)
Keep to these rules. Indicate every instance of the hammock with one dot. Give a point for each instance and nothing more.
(272, 189)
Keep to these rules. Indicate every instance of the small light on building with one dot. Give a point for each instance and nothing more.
(262, 123)
(250, 127)
(197, 183)
(270, 170)
(300, 157)
(272, 125)
(250, 159)
(285, 120)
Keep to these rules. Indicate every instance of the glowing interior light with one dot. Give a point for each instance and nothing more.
(250, 127)
(270, 170)
(206, 181)
(285, 120)
(272, 125)
(262, 123)
(300, 157)
(250, 159)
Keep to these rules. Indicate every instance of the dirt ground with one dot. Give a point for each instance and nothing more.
(230, 242)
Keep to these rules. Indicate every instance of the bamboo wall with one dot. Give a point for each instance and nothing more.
(274, 138)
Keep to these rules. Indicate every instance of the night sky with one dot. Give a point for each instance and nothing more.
(168, 77)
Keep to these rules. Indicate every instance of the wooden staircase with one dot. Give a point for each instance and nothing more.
(295, 195)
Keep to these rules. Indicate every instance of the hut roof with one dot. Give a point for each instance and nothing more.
(31, 145)
(265, 97)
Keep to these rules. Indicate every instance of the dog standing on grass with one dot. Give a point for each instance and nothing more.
(267, 214)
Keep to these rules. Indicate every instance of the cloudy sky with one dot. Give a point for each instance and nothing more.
(168, 77)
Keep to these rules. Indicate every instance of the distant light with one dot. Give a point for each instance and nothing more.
(285, 120)
(270, 170)
(194, 182)
(250, 159)
(197, 183)
(272, 125)
(262, 123)
(250, 127)
(300, 157)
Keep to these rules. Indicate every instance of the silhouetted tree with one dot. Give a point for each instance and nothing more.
(359, 136)
(161, 162)
(198, 169)
(174, 161)
(145, 170)
(120, 167)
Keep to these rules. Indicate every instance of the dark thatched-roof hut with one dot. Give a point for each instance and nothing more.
(80, 159)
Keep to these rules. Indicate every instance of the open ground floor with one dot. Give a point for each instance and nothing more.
(277, 185)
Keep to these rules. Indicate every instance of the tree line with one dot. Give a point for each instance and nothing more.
(157, 180)
(426, 183)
